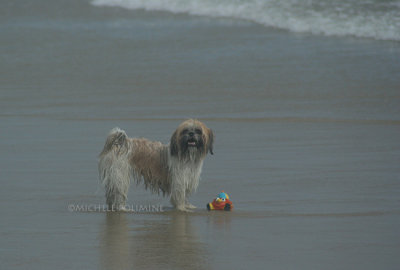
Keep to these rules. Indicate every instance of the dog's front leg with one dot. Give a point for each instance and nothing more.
(178, 200)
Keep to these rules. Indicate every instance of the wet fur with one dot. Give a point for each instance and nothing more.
(172, 169)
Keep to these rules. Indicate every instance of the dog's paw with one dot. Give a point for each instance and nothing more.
(122, 208)
(183, 208)
(190, 206)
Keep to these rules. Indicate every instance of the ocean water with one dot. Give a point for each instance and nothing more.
(362, 18)
(307, 127)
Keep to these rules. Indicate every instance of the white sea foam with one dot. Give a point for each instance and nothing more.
(362, 18)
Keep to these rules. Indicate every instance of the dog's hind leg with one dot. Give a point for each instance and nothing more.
(114, 169)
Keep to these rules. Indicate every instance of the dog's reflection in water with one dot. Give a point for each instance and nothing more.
(166, 241)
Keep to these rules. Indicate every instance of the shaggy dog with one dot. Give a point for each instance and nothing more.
(173, 169)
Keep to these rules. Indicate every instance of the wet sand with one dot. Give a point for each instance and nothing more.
(306, 128)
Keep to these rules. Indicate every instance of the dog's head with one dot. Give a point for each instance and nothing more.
(192, 136)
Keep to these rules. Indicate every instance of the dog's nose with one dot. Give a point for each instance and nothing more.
(191, 134)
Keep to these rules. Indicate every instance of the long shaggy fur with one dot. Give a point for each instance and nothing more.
(172, 169)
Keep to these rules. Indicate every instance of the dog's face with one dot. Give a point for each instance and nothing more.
(192, 136)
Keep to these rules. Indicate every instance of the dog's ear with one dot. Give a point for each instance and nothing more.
(174, 147)
(210, 141)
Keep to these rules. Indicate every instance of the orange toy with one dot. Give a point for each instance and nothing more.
(222, 202)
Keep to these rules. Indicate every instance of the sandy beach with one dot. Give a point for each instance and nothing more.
(307, 140)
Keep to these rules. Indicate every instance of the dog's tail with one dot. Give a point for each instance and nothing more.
(115, 171)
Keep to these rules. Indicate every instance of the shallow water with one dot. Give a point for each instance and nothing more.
(306, 128)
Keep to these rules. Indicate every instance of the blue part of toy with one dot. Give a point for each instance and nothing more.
(222, 195)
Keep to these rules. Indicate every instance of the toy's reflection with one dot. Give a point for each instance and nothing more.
(165, 242)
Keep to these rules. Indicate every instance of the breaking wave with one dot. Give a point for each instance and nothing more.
(361, 18)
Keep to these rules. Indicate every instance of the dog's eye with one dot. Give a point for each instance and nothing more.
(185, 131)
(198, 131)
